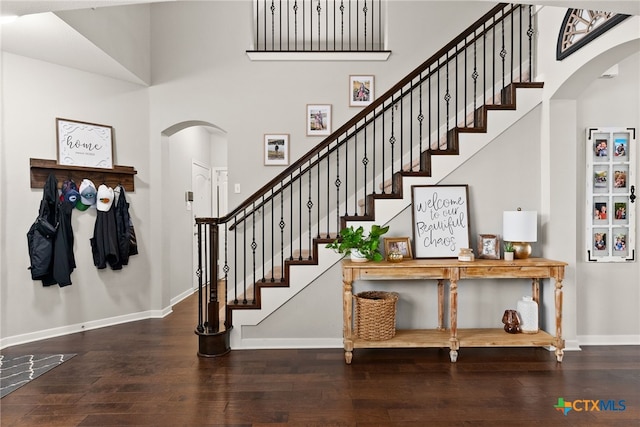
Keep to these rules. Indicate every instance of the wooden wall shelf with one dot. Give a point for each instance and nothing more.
(119, 175)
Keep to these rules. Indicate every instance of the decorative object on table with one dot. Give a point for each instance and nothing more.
(511, 321)
(440, 215)
(488, 246)
(528, 311)
(318, 120)
(520, 228)
(354, 242)
(276, 149)
(397, 248)
(466, 254)
(508, 251)
(361, 91)
(375, 318)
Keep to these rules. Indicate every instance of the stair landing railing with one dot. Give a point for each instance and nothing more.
(398, 134)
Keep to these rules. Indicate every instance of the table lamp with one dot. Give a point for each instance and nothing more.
(520, 228)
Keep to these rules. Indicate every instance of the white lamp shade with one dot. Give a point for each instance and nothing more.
(520, 226)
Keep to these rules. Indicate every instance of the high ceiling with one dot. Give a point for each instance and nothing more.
(26, 7)
(46, 37)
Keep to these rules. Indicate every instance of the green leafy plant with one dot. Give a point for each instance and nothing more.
(508, 247)
(354, 239)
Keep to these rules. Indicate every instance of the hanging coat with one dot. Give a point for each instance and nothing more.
(41, 235)
(64, 261)
(104, 243)
(124, 227)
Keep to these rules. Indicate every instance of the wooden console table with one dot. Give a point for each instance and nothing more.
(453, 271)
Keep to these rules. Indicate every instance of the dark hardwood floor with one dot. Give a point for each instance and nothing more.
(147, 373)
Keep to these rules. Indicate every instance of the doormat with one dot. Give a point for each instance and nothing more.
(16, 371)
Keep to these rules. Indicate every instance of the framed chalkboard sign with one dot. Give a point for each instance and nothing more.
(440, 220)
(84, 144)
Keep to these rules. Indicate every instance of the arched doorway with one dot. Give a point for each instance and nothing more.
(196, 155)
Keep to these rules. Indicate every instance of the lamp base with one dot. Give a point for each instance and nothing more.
(522, 250)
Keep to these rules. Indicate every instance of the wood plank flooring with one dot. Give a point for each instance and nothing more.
(147, 373)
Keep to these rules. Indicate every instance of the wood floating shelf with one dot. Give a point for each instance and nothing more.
(119, 175)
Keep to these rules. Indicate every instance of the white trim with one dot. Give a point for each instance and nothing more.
(318, 56)
(282, 343)
(609, 339)
(81, 327)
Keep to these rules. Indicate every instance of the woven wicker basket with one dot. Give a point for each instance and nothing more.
(375, 315)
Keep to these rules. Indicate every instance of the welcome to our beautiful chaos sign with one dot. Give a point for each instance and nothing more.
(440, 220)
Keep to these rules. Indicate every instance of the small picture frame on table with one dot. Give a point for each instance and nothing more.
(399, 244)
(489, 246)
(318, 120)
(276, 149)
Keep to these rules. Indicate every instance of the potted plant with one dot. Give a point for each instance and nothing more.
(353, 241)
(508, 251)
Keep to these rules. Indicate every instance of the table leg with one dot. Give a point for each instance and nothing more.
(454, 344)
(347, 307)
(558, 341)
(535, 290)
(441, 304)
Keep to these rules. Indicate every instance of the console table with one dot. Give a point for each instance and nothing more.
(453, 271)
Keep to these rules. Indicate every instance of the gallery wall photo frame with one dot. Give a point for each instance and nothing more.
(318, 119)
(610, 231)
(361, 90)
(276, 149)
(84, 144)
(440, 220)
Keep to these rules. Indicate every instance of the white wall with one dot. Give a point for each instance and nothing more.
(34, 93)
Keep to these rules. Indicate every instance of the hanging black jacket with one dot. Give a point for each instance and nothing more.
(41, 235)
(50, 239)
(123, 226)
(104, 243)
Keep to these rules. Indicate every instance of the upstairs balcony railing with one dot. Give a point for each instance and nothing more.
(318, 25)
(396, 135)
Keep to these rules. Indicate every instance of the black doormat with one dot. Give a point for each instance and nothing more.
(16, 371)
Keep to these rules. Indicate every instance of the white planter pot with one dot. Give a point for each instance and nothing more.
(356, 256)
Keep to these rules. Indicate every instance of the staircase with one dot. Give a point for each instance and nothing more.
(363, 172)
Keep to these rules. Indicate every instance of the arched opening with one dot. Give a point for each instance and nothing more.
(194, 168)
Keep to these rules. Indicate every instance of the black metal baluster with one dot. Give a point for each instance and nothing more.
(244, 252)
(258, 27)
(411, 127)
(273, 236)
(254, 245)
(282, 225)
(420, 120)
(328, 187)
(309, 213)
(342, 25)
(235, 261)
(530, 33)
(264, 255)
(288, 28)
(474, 76)
(373, 144)
(392, 140)
(384, 164)
(493, 62)
(300, 175)
(226, 268)
(512, 51)
(337, 185)
(346, 175)
(318, 199)
(447, 98)
(520, 41)
(484, 64)
(291, 223)
(503, 54)
(438, 106)
(365, 161)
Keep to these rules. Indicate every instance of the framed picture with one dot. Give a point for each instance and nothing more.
(401, 244)
(440, 215)
(276, 149)
(488, 246)
(84, 144)
(318, 120)
(360, 91)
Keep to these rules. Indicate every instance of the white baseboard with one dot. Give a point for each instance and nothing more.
(288, 343)
(609, 339)
(185, 294)
(81, 327)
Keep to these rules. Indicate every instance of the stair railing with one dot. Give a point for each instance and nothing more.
(397, 134)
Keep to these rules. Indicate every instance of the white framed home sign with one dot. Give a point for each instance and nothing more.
(611, 199)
